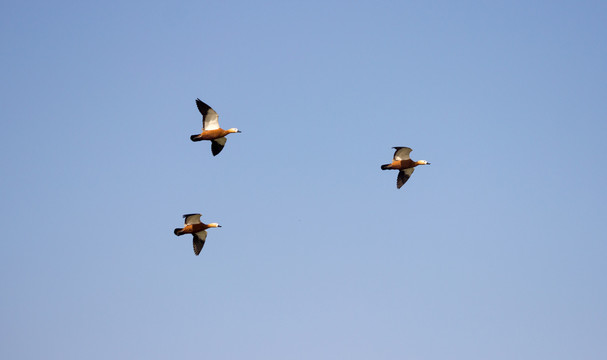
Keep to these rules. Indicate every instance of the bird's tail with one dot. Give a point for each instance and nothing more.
(385, 166)
(195, 138)
(177, 231)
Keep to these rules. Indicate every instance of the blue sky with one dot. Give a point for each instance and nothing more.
(496, 250)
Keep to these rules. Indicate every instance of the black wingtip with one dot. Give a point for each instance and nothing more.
(401, 179)
(198, 244)
(202, 107)
(216, 147)
(186, 215)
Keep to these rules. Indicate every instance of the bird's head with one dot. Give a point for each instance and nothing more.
(234, 130)
(422, 162)
(215, 225)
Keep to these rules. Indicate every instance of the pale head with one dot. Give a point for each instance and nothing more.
(215, 225)
(422, 162)
(234, 130)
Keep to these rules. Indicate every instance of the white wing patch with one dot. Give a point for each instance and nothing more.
(202, 235)
(402, 153)
(192, 219)
(210, 121)
(222, 140)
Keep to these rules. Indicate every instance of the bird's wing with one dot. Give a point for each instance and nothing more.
(402, 153)
(210, 119)
(403, 176)
(192, 219)
(218, 144)
(198, 242)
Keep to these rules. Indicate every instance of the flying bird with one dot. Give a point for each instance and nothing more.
(403, 163)
(210, 128)
(194, 226)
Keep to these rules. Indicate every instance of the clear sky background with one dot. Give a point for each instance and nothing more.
(495, 251)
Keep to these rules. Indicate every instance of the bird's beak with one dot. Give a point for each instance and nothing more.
(427, 163)
(218, 225)
(239, 131)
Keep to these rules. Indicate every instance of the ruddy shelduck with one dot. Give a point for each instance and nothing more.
(210, 128)
(403, 163)
(194, 226)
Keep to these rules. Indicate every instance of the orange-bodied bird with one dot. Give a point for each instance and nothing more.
(194, 226)
(210, 128)
(403, 163)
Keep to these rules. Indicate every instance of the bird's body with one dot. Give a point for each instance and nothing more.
(192, 229)
(403, 163)
(400, 165)
(210, 128)
(210, 135)
(194, 226)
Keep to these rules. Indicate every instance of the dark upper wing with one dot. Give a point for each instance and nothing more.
(218, 144)
(210, 119)
(198, 241)
(403, 176)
